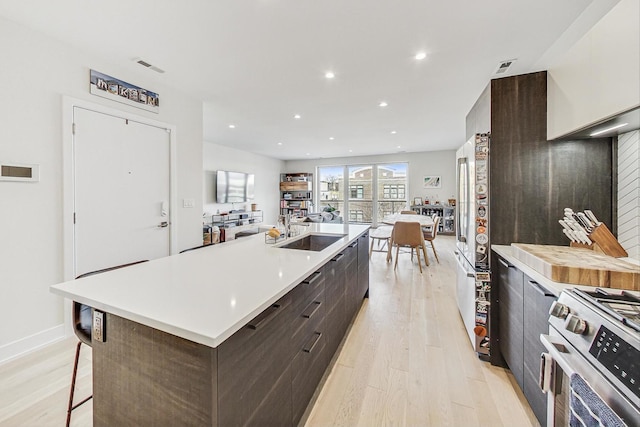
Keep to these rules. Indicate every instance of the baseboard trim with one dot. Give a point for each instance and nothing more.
(26, 345)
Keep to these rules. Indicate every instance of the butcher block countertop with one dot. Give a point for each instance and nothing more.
(556, 287)
(579, 266)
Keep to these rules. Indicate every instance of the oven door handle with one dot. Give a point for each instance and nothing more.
(546, 372)
(556, 350)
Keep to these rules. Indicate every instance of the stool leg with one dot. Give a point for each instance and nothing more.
(73, 383)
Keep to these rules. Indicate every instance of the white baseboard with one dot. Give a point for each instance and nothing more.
(31, 343)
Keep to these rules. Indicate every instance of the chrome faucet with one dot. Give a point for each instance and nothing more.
(286, 221)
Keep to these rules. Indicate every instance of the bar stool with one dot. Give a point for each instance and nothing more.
(381, 234)
(82, 325)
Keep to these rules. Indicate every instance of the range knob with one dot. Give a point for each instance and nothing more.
(559, 310)
(575, 324)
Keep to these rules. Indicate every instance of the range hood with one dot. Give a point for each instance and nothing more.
(617, 124)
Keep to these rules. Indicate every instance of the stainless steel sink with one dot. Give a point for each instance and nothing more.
(312, 242)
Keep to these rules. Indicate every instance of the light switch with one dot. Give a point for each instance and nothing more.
(99, 330)
(188, 203)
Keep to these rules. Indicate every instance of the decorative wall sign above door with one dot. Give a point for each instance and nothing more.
(120, 91)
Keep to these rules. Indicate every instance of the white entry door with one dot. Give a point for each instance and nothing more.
(121, 191)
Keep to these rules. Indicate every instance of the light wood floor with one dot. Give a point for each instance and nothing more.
(407, 361)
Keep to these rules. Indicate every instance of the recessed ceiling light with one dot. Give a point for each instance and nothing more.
(398, 146)
(329, 74)
(420, 56)
(331, 138)
(608, 129)
(232, 126)
(383, 104)
(308, 154)
(393, 132)
(279, 143)
(297, 116)
(351, 151)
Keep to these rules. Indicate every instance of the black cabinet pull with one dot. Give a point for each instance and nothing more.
(540, 289)
(505, 264)
(354, 244)
(315, 276)
(337, 257)
(310, 348)
(263, 317)
(311, 310)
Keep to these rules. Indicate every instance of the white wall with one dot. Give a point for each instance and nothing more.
(424, 163)
(36, 72)
(267, 177)
(629, 193)
(598, 76)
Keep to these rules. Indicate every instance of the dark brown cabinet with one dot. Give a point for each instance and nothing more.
(523, 307)
(511, 306)
(265, 374)
(253, 367)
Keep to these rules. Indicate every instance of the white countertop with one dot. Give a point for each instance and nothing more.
(208, 294)
(555, 287)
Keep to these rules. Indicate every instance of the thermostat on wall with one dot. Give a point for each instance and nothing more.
(19, 172)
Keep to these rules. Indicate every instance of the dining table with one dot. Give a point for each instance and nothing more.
(424, 220)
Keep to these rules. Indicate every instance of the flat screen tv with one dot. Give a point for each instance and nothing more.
(234, 187)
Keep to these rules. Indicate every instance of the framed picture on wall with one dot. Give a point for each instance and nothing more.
(417, 201)
(432, 181)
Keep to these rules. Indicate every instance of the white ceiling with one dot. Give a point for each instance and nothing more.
(257, 63)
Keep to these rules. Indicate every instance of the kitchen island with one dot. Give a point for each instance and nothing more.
(232, 334)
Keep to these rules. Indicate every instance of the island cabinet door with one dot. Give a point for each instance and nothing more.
(351, 282)
(363, 267)
(336, 298)
(510, 307)
(254, 378)
(336, 315)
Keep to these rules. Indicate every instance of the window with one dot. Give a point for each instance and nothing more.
(356, 216)
(356, 191)
(364, 194)
(393, 191)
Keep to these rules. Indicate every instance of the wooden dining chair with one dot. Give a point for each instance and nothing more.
(82, 325)
(409, 235)
(430, 236)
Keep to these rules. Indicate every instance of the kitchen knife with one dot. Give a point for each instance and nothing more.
(570, 233)
(585, 221)
(592, 216)
(566, 233)
(578, 232)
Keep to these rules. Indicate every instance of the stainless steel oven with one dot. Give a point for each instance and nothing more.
(592, 363)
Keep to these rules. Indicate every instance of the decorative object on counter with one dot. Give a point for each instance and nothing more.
(452, 202)
(273, 236)
(585, 231)
(578, 266)
(417, 201)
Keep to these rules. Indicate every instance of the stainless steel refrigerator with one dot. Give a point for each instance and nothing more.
(473, 277)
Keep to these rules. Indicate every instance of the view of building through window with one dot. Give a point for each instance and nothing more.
(372, 191)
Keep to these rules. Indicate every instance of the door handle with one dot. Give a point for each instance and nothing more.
(163, 224)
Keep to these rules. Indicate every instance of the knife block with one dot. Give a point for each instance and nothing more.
(603, 242)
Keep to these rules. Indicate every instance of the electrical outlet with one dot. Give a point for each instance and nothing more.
(98, 327)
(188, 203)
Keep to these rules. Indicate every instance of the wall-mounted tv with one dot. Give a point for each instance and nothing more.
(234, 187)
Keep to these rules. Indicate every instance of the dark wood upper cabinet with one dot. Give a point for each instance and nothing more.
(531, 179)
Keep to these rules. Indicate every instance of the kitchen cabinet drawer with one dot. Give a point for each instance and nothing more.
(308, 289)
(275, 409)
(251, 362)
(308, 367)
(309, 320)
(335, 326)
